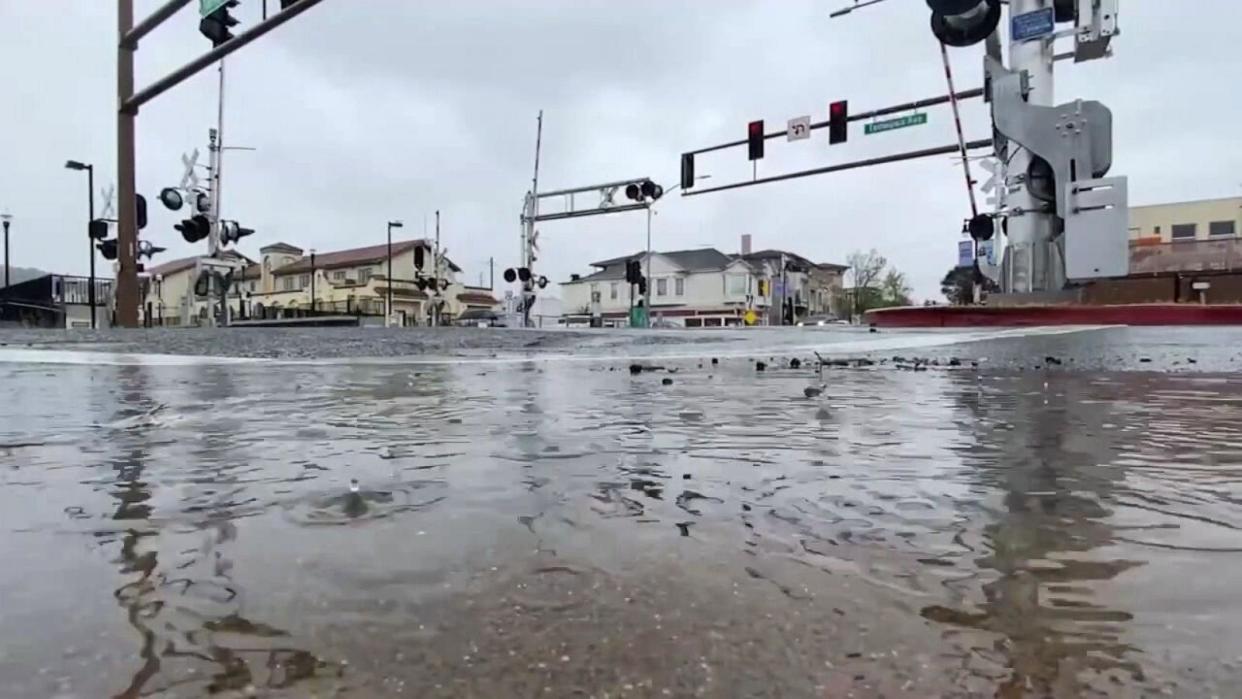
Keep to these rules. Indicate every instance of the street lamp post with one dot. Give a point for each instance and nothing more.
(312, 261)
(388, 308)
(6, 218)
(159, 295)
(650, 282)
(90, 242)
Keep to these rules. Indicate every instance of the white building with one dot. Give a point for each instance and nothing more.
(691, 288)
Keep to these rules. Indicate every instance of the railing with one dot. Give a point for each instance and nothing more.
(1186, 256)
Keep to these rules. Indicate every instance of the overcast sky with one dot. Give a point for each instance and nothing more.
(368, 110)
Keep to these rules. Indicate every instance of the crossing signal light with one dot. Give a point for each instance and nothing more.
(645, 190)
(964, 22)
(140, 209)
(232, 232)
(216, 25)
(420, 257)
(687, 170)
(146, 249)
(523, 274)
(97, 229)
(838, 122)
(510, 275)
(107, 248)
(194, 229)
(754, 140)
(642, 286)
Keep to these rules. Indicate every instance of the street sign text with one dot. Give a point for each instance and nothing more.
(899, 123)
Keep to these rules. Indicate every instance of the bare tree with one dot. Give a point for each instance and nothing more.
(865, 270)
(894, 290)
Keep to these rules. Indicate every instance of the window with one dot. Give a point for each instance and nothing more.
(1221, 228)
(661, 287)
(735, 284)
(287, 284)
(612, 291)
(364, 274)
(679, 286)
(1185, 231)
(304, 281)
(338, 275)
(594, 293)
(252, 286)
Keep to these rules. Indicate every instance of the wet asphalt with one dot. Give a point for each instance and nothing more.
(521, 513)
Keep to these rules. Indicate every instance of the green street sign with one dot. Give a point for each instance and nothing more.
(898, 123)
(206, 7)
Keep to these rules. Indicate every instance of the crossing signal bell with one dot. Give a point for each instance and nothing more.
(216, 26)
(964, 22)
(754, 139)
(838, 122)
(97, 229)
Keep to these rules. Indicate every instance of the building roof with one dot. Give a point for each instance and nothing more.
(690, 260)
(773, 254)
(478, 297)
(353, 257)
(184, 263)
(281, 247)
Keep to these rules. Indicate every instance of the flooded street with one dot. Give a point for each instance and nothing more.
(521, 525)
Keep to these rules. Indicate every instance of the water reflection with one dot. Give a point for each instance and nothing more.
(188, 609)
(1043, 447)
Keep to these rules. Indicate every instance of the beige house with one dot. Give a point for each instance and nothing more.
(288, 282)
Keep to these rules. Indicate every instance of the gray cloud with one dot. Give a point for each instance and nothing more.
(366, 110)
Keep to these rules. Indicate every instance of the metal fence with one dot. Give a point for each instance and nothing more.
(1186, 256)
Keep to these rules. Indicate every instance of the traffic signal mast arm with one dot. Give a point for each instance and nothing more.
(863, 116)
(882, 160)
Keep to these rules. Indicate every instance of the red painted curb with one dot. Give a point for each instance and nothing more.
(1020, 316)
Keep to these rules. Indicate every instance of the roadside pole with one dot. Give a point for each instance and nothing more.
(650, 281)
(127, 215)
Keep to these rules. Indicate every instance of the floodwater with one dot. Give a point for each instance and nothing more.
(567, 528)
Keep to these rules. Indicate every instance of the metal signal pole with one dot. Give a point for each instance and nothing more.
(1035, 258)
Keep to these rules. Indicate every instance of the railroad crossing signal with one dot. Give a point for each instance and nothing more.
(217, 21)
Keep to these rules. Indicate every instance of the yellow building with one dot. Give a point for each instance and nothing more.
(288, 282)
(1206, 219)
(1193, 236)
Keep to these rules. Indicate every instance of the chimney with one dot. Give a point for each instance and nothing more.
(745, 243)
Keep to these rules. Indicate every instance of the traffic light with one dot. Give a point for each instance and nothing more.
(232, 232)
(216, 25)
(754, 139)
(97, 229)
(107, 248)
(687, 170)
(964, 22)
(838, 122)
(633, 271)
(523, 274)
(642, 286)
(510, 275)
(420, 257)
(194, 229)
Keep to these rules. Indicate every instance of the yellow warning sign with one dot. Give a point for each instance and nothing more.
(751, 317)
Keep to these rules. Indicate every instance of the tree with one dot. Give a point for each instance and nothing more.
(865, 270)
(894, 291)
(958, 285)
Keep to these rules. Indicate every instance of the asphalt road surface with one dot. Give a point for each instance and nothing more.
(487, 513)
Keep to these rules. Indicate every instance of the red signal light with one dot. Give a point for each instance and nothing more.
(754, 139)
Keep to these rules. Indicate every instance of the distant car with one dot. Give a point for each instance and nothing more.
(479, 318)
(663, 324)
(826, 319)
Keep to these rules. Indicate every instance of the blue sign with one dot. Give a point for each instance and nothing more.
(966, 253)
(987, 251)
(1031, 25)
